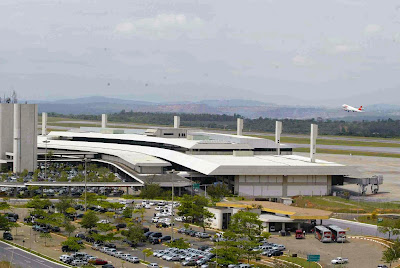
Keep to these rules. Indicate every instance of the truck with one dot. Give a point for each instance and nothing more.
(299, 234)
(339, 260)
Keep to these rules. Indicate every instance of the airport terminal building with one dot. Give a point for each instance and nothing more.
(250, 166)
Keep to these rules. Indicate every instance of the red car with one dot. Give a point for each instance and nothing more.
(98, 262)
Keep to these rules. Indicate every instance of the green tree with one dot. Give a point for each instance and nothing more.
(72, 243)
(63, 176)
(134, 234)
(150, 191)
(389, 227)
(89, 220)
(38, 203)
(392, 253)
(218, 191)
(46, 236)
(5, 224)
(147, 253)
(178, 243)
(195, 207)
(64, 203)
(140, 211)
(69, 228)
(4, 206)
(127, 213)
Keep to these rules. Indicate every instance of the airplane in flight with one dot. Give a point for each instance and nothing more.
(349, 109)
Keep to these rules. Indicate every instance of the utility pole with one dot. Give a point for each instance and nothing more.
(45, 159)
(172, 172)
(86, 160)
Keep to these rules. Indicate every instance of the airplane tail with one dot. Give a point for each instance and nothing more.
(361, 108)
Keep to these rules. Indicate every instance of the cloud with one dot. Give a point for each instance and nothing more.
(372, 29)
(161, 25)
(300, 60)
(344, 48)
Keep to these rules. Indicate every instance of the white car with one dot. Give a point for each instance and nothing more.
(133, 259)
(158, 208)
(180, 219)
(153, 265)
(147, 206)
(144, 202)
(78, 263)
(118, 254)
(339, 260)
(155, 219)
(103, 221)
(152, 203)
(125, 256)
(65, 258)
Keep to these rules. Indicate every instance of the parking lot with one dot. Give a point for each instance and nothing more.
(361, 253)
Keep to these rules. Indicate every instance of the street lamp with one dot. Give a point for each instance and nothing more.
(172, 205)
(86, 160)
(45, 159)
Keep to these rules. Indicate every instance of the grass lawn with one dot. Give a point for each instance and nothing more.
(341, 205)
(300, 261)
(347, 152)
(301, 140)
(370, 220)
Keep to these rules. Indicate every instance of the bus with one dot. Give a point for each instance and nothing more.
(323, 234)
(338, 234)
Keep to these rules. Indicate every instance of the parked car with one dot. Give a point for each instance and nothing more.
(98, 262)
(7, 236)
(339, 260)
(133, 259)
(67, 249)
(107, 266)
(153, 265)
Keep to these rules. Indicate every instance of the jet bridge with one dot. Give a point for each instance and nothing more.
(363, 183)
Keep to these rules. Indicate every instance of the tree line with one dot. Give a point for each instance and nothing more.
(381, 128)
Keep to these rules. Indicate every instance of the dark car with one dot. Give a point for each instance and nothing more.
(110, 245)
(120, 225)
(165, 238)
(147, 234)
(154, 240)
(67, 249)
(145, 229)
(55, 229)
(157, 234)
(161, 225)
(107, 266)
(275, 253)
(12, 215)
(7, 236)
(80, 235)
(79, 216)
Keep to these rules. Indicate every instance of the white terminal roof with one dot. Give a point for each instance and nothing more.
(180, 142)
(205, 164)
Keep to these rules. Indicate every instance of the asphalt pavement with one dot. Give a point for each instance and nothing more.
(357, 228)
(21, 258)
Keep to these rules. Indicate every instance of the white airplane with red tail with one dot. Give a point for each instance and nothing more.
(349, 108)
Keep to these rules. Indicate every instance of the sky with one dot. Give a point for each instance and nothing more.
(195, 50)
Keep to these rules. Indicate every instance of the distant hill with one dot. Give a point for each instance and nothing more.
(247, 108)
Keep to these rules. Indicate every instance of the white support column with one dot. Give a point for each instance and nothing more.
(278, 132)
(239, 126)
(17, 139)
(313, 142)
(177, 121)
(44, 124)
(103, 120)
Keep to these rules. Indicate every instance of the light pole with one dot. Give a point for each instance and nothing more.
(45, 159)
(172, 172)
(86, 160)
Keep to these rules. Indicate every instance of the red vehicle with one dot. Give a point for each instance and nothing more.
(98, 262)
(299, 234)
